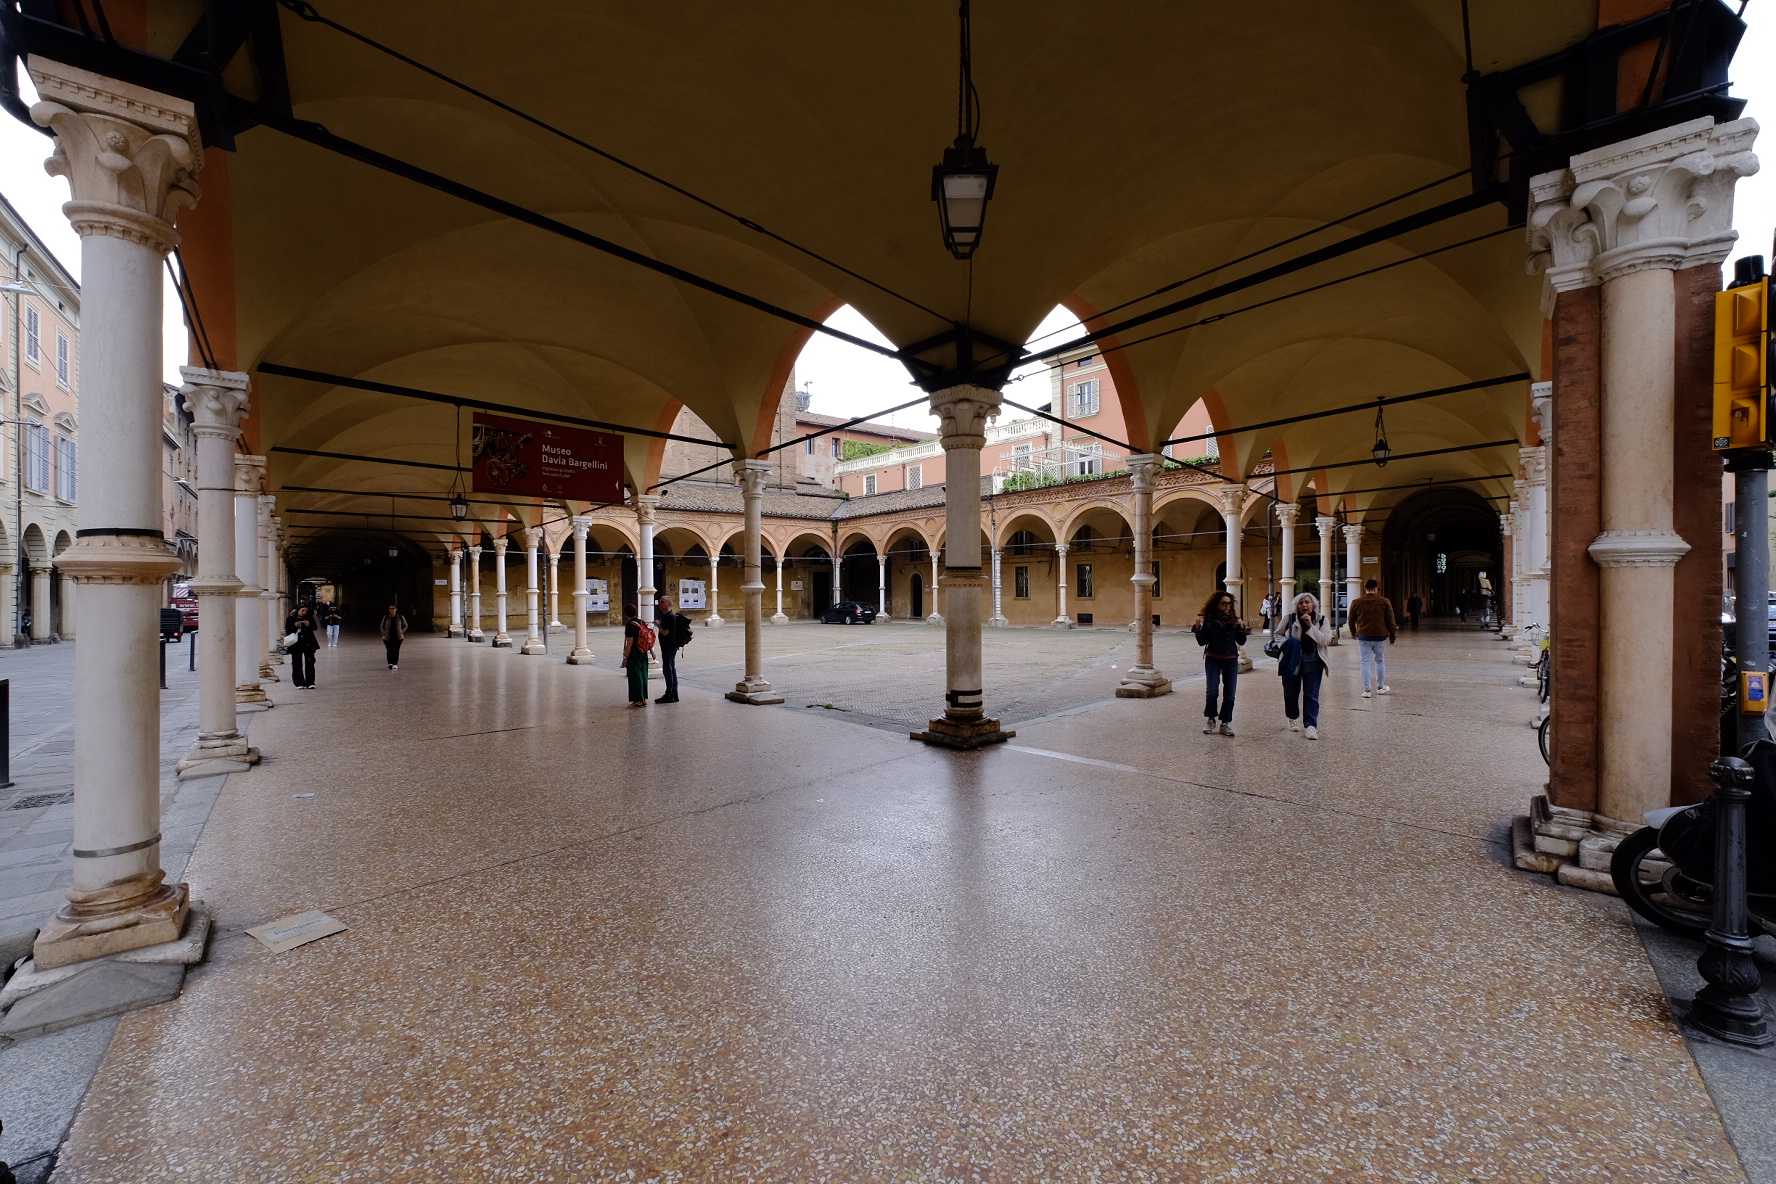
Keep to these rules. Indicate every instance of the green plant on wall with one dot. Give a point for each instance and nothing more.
(852, 449)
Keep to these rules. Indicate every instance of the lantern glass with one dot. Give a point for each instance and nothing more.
(961, 186)
(1381, 452)
(459, 507)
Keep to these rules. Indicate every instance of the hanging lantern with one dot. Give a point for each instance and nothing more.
(1381, 451)
(459, 506)
(961, 186)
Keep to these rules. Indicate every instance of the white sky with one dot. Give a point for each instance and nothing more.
(848, 381)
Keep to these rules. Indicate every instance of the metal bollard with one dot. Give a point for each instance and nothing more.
(5, 733)
(191, 657)
(163, 663)
(1728, 1007)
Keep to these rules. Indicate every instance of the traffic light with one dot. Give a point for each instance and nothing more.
(1742, 362)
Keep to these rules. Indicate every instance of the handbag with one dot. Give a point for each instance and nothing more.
(290, 639)
(1273, 648)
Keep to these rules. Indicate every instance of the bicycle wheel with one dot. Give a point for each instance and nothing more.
(1542, 738)
(1661, 894)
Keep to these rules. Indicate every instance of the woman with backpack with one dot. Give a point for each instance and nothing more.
(638, 643)
(1220, 632)
(1299, 646)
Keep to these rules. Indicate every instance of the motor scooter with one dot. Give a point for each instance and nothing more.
(1665, 870)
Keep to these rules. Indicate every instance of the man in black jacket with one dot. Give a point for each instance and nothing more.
(675, 633)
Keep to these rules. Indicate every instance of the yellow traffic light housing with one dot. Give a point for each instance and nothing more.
(1742, 366)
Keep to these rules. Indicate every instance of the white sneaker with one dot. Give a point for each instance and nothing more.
(1365, 694)
(1384, 690)
(1313, 733)
(1294, 725)
(1209, 728)
(1227, 729)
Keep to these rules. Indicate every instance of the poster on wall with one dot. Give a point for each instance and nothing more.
(693, 594)
(532, 459)
(598, 596)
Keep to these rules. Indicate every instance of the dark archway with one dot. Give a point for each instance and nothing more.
(1443, 545)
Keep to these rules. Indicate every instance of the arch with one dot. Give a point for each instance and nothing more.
(36, 547)
(1105, 519)
(1028, 516)
(63, 541)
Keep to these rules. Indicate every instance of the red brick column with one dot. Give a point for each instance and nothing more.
(1695, 673)
(1576, 518)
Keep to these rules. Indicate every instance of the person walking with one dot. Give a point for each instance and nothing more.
(1372, 624)
(1220, 632)
(638, 642)
(301, 642)
(1266, 610)
(675, 634)
(333, 619)
(394, 630)
(1415, 608)
(1300, 643)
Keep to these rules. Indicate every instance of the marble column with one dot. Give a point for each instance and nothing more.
(555, 589)
(533, 635)
(1353, 565)
(997, 620)
(268, 589)
(474, 632)
(1233, 500)
(501, 639)
(934, 617)
(752, 687)
(1288, 515)
(1143, 681)
(1505, 601)
(581, 654)
(963, 412)
(881, 586)
(714, 620)
(1327, 526)
(1536, 541)
(217, 401)
(1062, 620)
(645, 506)
(456, 605)
(40, 602)
(130, 156)
(249, 608)
(69, 612)
(778, 618)
(1625, 218)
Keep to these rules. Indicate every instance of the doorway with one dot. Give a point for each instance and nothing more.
(823, 589)
(916, 596)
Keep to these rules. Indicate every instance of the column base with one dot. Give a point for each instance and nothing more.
(963, 734)
(247, 695)
(215, 755)
(1575, 846)
(581, 658)
(533, 647)
(934, 619)
(998, 623)
(754, 691)
(1143, 684)
(474, 636)
(779, 619)
(1061, 623)
(502, 641)
(77, 934)
(267, 674)
(39, 1000)
(713, 622)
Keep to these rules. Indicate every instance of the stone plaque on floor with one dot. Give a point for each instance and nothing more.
(287, 934)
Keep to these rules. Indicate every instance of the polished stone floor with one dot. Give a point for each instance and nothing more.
(721, 943)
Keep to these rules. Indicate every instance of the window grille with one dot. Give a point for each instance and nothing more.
(915, 477)
(1083, 580)
(1020, 583)
(869, 485)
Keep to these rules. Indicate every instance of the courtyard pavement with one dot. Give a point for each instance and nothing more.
(713, 942)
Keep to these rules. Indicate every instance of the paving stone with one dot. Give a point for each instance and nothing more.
(106, 988)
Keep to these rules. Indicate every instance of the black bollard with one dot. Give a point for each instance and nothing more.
(6, 1176)
(191, 651)
(1728, 1007)
(163, 662)
(5, 738)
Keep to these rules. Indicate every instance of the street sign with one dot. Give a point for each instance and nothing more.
(532, 459)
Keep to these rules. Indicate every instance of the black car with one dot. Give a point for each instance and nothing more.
(848, 612)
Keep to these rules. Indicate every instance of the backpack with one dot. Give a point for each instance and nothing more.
(645, 637)
(681, 631)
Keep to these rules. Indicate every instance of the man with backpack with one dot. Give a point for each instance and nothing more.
(638, 642)
(675, 634)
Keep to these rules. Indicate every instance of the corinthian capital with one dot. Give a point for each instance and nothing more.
(964, 411)
(249, 474)
(1233, 498)
(1662, 200)
(216, 399)
(1140, 467)
(751, 474)
(1288, 514)
(131, 155)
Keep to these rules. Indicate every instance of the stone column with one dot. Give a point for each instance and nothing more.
(249, 609)
(40, 602)
(752, 687)
(533, 637)
(501, 639)
(1288, 514)
(1326, 526)
(1624, 218)
(581, 654)
(882, 586)
(1534, 540)
(130, 156)
(1506, 586)
(963, 412)
(456, 605)
(69, 613)
(1062, 620)
(778, 618)
(474, 633)
(217, 401)
(1143, 681)
(555, 589)
(1233, 500)
(714, 620)
(934, 617)
(997, 620)
(838, 562)
(268, 596)
(1353, 566)
(645, 505)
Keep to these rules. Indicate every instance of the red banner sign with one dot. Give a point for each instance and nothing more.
(531, 459)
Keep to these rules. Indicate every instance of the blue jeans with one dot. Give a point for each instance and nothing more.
(1301, 695)
(1374, 654)
(669, 667)
(1222, 672)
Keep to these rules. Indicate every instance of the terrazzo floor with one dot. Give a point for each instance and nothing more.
(719, 943)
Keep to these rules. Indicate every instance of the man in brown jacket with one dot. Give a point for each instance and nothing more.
(1372, 623)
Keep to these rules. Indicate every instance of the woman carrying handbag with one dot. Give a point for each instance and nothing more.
(1299, 646)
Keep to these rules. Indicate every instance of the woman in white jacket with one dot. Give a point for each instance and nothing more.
(1300, 641)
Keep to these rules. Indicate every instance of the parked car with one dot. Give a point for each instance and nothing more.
(186, 603)
(848, 612)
